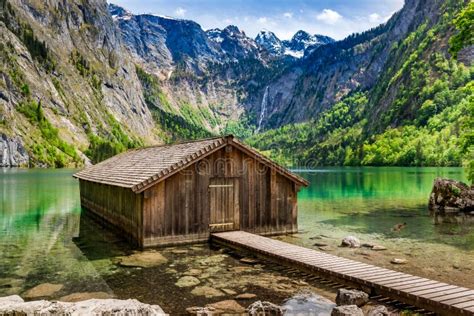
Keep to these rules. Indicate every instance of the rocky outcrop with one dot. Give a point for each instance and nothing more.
(351, 297)
(451, 196)
(14, 305)
(12, 152)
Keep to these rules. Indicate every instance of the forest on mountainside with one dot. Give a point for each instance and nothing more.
(429, 121)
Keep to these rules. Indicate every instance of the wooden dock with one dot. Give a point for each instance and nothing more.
(434, 296)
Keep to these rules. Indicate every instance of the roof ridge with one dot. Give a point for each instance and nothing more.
(179, 143)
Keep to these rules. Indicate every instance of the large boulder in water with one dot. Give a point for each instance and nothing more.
(351, 297)
(351, 242)
(450, 196)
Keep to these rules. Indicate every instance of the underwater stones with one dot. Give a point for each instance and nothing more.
(43, 290)
(11, 285)
(197, 310)
(398, 261)
(325, 248)
(193, 272)
(179, 251)
(347, 310)
(206, 291)
(320, 244)
(229, 291)
(145, 259)
(378, 248)
(242, 269)
(351, 242)
(187, 281)
(351, 297)
(249, 260)
(212, 260)
(245, 296)
(82, 296)
(227, 307)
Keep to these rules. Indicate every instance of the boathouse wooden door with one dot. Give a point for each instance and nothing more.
(224, 204)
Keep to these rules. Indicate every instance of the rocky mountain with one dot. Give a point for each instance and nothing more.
(83, 80)
(270, 42)
(303, 42)
(399, 94)
(68, 87)
(300, 44)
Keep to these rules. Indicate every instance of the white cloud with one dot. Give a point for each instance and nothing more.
(288, 15)
(375, 18)
(262, 20)
(329, 16)
(180, 12)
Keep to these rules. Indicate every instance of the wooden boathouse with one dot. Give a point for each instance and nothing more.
(181, 193)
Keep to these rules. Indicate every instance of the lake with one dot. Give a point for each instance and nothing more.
(44, 239)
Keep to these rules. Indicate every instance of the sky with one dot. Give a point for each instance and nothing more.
(336, 18)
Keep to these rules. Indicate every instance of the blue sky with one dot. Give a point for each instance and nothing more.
(337, 18)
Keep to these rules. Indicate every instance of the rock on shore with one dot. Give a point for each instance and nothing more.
(14, 305)
(450, 196)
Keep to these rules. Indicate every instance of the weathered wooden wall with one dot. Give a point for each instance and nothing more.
(118, 206)
(177, 209)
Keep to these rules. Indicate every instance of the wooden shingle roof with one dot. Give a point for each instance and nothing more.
(141, 168)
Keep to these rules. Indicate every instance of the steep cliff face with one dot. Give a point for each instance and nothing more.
(68, 85)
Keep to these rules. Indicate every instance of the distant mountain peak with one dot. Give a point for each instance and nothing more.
(268, 40)
(117, 12)
(302, 41)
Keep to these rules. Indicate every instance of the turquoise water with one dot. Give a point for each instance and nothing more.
(44, 238)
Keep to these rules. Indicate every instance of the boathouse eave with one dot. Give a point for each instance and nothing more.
(192, 159)
(235, 143)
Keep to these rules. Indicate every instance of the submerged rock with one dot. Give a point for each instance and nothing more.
(245, 296)
(43, 290)
(451, 196)
(187, 281)
(378, 248)
(206, 291)
(347, 310)
(14, 305)
(227, 307)
(398, 261)
(351, 242)
(248, 260)
(351, 297)
(145, 259)
(229, 291)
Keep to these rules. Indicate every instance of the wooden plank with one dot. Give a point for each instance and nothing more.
(440, 297)
(397, 285)
(414, 285)
(432, 289)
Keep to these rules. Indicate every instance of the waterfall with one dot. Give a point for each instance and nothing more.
(263, 109)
